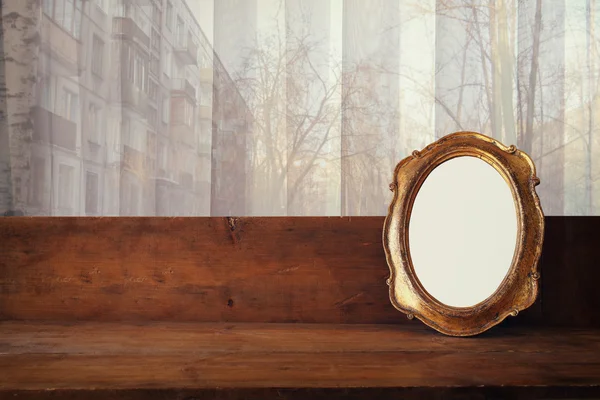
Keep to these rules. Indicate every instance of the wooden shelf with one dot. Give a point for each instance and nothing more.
(41, 356)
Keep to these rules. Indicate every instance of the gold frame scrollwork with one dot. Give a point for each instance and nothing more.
(519, 288)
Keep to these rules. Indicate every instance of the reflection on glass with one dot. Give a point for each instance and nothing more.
(285, 107)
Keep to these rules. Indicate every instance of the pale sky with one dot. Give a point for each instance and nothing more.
(204, 12)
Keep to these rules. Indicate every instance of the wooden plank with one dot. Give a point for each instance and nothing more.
(408, 393)
(313, 270)
(118, 356)
(194, 269)
(18, 337)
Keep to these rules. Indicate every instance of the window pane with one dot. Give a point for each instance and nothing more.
(69, 13)
(77, 24)
(97, 56)
(65, 188)
(91, 193)
(49, 7)
(59, 11)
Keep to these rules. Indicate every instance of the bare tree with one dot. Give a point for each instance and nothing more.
(294, 90)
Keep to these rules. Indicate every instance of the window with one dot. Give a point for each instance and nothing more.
(65, 186)
(167, 64)
(97, 56)
(169, 21)
(180, 32)
(153, 90)
(44, 92)
(91, 193)
(166, 110)
(66, 13)
(94, 123)
(130, 197)
(69, 11)
(78, 16)
(101, 4)
(139, 72)
(162, 156)
(123, 8)
(137, 67)
(38, 166)
(153, 117)
(133, 136)
(129, 63)
(154, 65)
(188, 113)
(70, 106)
(113, 135)
(155, 40)
(59, 12)
(156, 14)
(49, 7)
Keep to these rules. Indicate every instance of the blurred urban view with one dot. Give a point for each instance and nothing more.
(284, 107)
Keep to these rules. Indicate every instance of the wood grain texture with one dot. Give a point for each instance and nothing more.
(409, 393)
(194, 269)
(144, 356)
(313, 270)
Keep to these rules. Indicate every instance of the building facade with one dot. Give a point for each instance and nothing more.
(123, 120)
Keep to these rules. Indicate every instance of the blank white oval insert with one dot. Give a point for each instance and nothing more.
(463, 231)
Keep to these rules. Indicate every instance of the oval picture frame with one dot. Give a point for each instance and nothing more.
(519, 288)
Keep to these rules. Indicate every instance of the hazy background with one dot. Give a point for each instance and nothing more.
(284, 107)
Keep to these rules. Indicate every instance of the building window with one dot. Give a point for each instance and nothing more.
(153, 90)
(169, 21)
(71, 106)
(153, 117)
(139, 72)
(162, 156)
(180, 33)
(188, 113)
(94, 123)
(49, 7)
(38, 166)
(101, 4)
(66, 13)
(166, 110)
(91, 193)
(155, 40)
(154, 65)
(44, 92)
(97, 55)
(129, 60)
(65, 186)
(130, 197)
(133, 137)
(123, 8)
(167, 64)
(156, 14)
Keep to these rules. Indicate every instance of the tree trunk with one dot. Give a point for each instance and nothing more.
(20, 47)
(591, 102)
(528, 137)
(496, 103)
(506, 71)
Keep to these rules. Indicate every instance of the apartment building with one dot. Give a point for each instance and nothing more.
(123, 118)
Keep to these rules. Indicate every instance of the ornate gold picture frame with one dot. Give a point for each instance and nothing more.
(519, 288)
